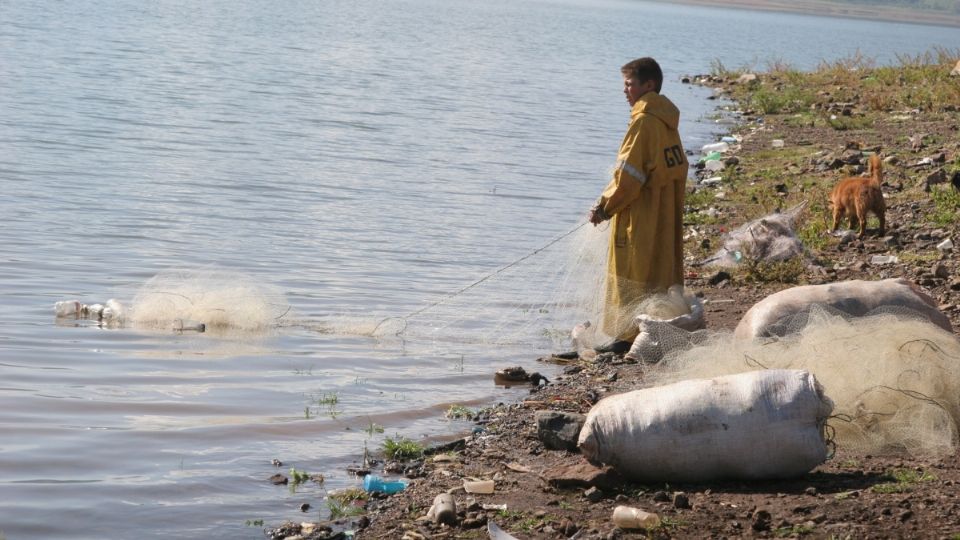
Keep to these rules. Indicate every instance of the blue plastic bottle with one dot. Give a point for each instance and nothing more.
(372, 482)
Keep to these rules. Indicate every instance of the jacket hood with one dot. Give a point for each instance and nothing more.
(654, 104)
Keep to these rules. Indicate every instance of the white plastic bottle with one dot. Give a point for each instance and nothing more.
(627, 517)
(67, 308)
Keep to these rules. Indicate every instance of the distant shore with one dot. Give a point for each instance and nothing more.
(832, 9)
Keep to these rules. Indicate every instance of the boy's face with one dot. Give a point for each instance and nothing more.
(634, 89)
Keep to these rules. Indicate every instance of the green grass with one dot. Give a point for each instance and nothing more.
(946, 201)
(248, 523)
(402, 448)
(901, 481)
(340, 509)
(346, 496)
(373, 428)
(796, 530)
(459, 412)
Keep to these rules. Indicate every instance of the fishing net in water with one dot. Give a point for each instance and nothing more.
(893, 376)
(219, 299)
(534, 302)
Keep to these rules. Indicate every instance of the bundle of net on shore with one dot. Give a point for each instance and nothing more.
(893, 376)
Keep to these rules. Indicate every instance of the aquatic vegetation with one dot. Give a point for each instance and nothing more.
(402, 448)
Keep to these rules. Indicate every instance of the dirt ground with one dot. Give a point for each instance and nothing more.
(543, 493)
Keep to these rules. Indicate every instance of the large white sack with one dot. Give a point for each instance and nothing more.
(853, 297)
(755, 425)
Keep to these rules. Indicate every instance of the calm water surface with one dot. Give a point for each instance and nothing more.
(364, 159)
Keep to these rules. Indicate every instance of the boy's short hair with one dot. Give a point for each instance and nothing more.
(643, 70)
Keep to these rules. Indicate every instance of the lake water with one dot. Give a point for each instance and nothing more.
(337, 162)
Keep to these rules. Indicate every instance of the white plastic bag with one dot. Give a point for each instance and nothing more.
(754, 425)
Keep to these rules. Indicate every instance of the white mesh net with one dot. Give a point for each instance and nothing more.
(219, 299)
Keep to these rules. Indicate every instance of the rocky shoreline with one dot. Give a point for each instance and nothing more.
(782, 154)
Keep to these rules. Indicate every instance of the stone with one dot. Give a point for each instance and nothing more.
(279, 479)
(718, 278)
(681, 500)
(938, 176)
(661, 496)
(812, 491)
(584, 475)
(955, 72)
(747, 78)
(593, 495)
(941, 271)
(761, 520)
(559, 430)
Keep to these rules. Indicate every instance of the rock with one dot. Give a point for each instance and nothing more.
(568, 528)
(661, 496)
(955, 72)
(938, 176)
(719, 277)
(681, 500)
(593, 495)
(890, 241)
(583, 474)
(304, 507)
(761, 520)
(891, 160)
(731, 161)
(279, 480)
(474, 523)
(746, 78)
(905, 515)
(812, 491)
(941, 271)
(851, 157)
(946, 245)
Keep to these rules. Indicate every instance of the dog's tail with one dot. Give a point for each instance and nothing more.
(876, 167)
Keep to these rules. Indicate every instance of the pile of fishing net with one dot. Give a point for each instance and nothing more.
(770, 238)
(216, 298)
(894, 377)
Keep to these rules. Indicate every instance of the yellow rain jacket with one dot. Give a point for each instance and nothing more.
(645, 200)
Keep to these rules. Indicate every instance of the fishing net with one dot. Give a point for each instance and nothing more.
(770, 238)
(893, 376)
(219, 299)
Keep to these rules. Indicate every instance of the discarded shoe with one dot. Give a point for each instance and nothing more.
(616, 347)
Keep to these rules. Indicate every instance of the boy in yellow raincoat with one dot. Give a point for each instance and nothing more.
(645, 201)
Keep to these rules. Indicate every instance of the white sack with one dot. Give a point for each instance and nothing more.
(754, 425)
(854, 297)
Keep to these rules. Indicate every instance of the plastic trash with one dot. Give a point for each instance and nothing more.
(67, 308)
(496, 533)
(728, 139)
(712, 181)
(715, 147)
(714, 165)
(113, 311)
(444, 509)
(627, 517)
(883, 259)
(946, 245)
(372, 482)
(478, 486)
(777, 143)
(712, 155)
(186, 325)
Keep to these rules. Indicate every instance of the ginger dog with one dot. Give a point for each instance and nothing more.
(855, 197)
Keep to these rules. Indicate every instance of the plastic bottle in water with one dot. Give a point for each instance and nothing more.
(715, 147)
(67, 308)
(186, 325)
(372, 482)
(93, 311)
(627, 517)
(113, 311)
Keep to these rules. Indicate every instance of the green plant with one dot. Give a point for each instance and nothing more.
(248, 523)
(796, 530)
(946, 202)
(459, 412)
(402, 448)
(341, 510)
(902, 480)
(298, 477)
(373, 428)
(345, 496)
